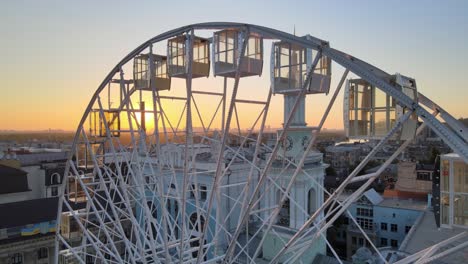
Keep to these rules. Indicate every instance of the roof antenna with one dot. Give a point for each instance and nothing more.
(294, 30)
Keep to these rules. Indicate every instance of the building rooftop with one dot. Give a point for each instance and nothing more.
(398, 194)
(376, 199)
(453, 156)
(392, 168)
(426, 234)
(13, 180)
(427, 167)
(28, 212)
(404, 203)
(38, 158)
(373, 196)
(323, 259)
(343, 148)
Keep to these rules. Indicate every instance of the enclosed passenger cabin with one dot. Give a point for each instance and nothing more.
(290, 63)
(75, 190)
(178, 56)
(227, 45)
(159, 79)
(97, 125)
(453, 191)
(69, 227)
(370, 113)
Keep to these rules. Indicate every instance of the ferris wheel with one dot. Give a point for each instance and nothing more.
(174, 161)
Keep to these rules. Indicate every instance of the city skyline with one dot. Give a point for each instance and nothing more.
(244, 132)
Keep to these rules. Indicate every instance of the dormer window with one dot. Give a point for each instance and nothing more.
(55, 179)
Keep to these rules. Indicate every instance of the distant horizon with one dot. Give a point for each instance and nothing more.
(57, 130)
(3, 131)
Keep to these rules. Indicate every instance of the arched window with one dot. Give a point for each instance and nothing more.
(194, 224)
(197, 227)
(195, 243)
(154, 214)
(312, 201)
(284, 216)
(176, 212)
(55, 179)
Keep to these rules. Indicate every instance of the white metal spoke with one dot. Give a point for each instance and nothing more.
(162, 171)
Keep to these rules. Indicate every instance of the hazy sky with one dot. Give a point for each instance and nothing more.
(54, 54)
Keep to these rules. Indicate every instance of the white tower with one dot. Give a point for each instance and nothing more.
(307, 188)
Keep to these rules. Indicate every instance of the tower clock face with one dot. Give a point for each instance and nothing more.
(287, 143)
(305, 142)
(295, 142)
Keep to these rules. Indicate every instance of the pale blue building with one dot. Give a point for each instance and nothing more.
(386, 221)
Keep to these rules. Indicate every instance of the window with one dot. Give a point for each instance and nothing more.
(407, 229)
(176, 208)
(383, 226)
(361, 241)
(226, 43)
(423, 176)
(17, 258)
(394, 228)
(74, 226)
(203, 192)
(346, 220)
(383, 242)
(42, 253)
(89, 260)
(365, 212)
(195, 224)
(169, 206)
(161, 67)
(284, 214)
(353, 240)
(311, 207)
(192, 191)
(176, 213)
(54, 191)
(365, 223)
(394, 243)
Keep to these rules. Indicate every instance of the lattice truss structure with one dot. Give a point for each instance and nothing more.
(168, 167)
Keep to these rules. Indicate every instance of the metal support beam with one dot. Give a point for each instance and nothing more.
(220, 159)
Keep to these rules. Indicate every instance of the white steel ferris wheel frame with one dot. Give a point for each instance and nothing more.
(106, 236)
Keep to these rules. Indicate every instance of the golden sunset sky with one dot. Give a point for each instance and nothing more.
(54, 54)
